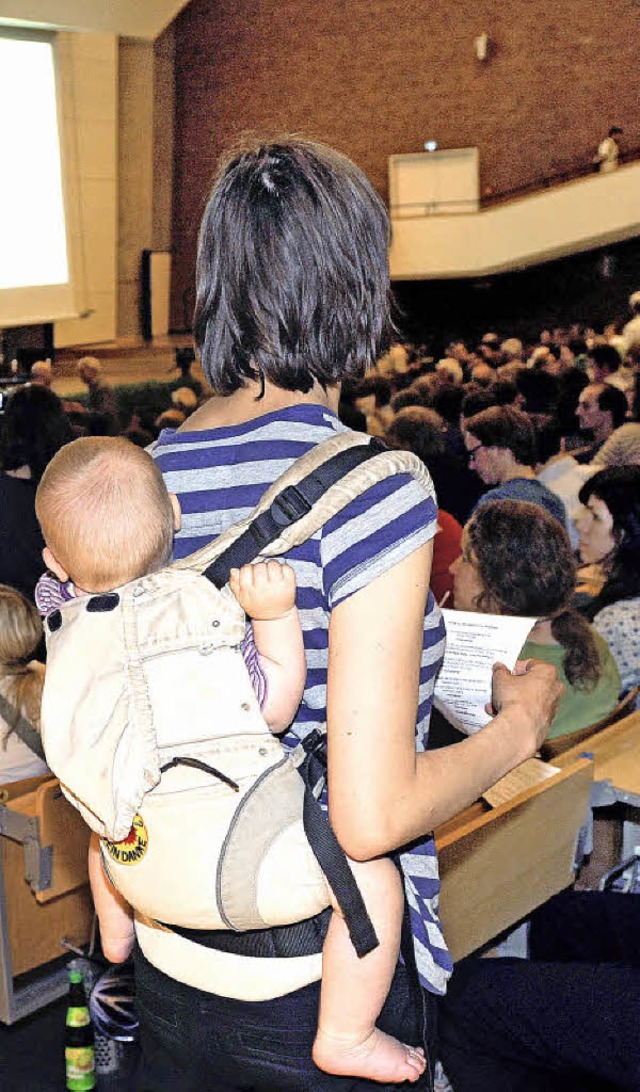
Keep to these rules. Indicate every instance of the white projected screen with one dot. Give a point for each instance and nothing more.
(33, 242)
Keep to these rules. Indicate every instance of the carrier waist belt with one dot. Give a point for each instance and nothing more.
(280, 942)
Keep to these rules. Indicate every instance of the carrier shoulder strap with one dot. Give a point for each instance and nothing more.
(22, 727)
(312, 491)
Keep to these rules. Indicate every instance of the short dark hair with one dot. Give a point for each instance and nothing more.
(539, 390)
(506, 427)
(614, 401)
(292, 271)
(605, 356)
(475, 400)
(418, 429)
(448, 403)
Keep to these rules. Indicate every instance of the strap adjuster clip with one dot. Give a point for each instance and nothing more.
(289, 506)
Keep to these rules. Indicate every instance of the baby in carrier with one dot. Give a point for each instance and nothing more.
(108, 519)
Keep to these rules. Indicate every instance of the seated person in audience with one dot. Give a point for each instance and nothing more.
(538, 391)
(512, 350)
(421, 430)
(101, 399)
(609, 531)
(183, 403)
(516, 559)
(571, 385)
(482, 374)
(475, 400)
(601, 409)
(565, 1020)
(185, 357)
(621, 449)
(501, 448)
(34, 426)
(41, 373)
(107, 519)
(372, 397)
(447, 403)
(558, 470)
(21, 681)
(489, 349)
(631, 330)
(603, 361)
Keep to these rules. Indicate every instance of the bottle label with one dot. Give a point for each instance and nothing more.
(78, 1017)
(80, 1068)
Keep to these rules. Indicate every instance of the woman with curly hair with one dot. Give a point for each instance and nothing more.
(609, 530)
(516, 559)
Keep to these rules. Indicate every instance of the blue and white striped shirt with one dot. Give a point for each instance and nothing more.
(219, 476)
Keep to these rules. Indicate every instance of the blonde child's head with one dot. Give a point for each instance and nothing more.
(20, 633)
(105, 513)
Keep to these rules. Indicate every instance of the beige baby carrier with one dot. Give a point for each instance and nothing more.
(150, 721)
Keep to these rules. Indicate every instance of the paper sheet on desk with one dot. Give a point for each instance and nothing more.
(474, 643)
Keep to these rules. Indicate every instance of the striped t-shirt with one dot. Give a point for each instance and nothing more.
(219, 475)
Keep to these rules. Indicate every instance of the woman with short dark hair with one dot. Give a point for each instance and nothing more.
(292, 298)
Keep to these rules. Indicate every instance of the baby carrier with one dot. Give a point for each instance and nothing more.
(151, 722)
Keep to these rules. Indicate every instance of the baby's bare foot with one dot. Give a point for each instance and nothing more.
(379, 1057)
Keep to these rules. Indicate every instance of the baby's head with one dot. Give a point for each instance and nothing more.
(105, 513)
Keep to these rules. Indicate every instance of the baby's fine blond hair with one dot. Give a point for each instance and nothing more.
(105, 512)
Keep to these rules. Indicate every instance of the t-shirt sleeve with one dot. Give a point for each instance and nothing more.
(374, 532)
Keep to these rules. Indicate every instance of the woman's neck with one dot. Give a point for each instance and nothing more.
(541, 633)
(246, 405)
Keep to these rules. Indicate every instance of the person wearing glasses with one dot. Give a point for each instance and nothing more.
(501, 448)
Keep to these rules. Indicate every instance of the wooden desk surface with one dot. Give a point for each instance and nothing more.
(616, 755)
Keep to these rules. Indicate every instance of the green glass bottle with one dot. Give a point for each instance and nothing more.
(79, 1053)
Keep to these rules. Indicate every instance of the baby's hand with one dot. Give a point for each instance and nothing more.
(265, 591)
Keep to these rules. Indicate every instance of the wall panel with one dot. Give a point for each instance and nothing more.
(377, 77)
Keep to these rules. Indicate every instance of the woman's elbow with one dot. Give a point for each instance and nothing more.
(116, 950)
(363, 842)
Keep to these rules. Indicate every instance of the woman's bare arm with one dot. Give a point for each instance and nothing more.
(114, 913)
(381, 793)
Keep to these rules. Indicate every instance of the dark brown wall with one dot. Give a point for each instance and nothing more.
(377, 77)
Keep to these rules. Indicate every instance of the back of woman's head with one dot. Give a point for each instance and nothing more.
(526, 567)
(20, 634)
(34, 427)
(619, 488)
(417, 429)
(292, 272)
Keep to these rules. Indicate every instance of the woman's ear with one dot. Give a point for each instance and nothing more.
(54, 565)
(177, 513)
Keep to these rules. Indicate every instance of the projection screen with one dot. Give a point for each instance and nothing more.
(36, 262)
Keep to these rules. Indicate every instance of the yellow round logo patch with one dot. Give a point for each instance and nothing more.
(133, 848)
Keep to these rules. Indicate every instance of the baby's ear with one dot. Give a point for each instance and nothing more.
(177, 512)
(54, 565)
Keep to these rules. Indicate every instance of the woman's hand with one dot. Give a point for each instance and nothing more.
(530, 694)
